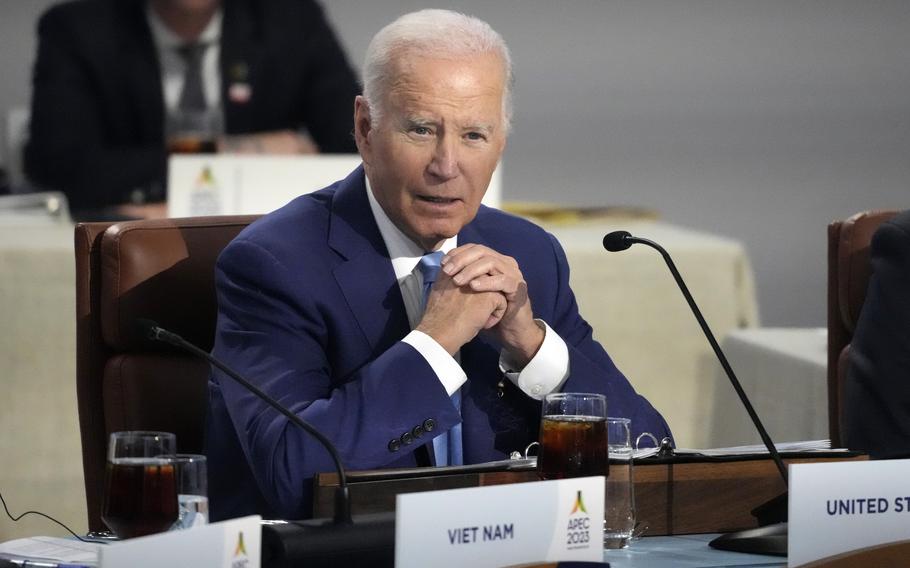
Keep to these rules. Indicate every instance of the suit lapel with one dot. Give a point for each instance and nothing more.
(366, 277)
(470, 234)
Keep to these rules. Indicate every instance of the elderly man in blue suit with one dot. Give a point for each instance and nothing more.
(322, 302)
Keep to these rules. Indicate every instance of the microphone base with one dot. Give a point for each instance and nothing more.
(368, 541)
(770, 540)
(773, 511)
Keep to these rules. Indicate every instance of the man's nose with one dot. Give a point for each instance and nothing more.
(444, 164)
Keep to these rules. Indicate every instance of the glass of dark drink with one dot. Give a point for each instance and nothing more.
(140, 489)
(191, 144)
(573, 436)
(193, 131)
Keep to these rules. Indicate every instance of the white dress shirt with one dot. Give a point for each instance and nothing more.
(545, 373)
(173, 66)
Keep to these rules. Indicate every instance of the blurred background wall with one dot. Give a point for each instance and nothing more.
(760, 120)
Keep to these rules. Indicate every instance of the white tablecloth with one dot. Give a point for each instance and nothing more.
(40, 449)
(783, 371)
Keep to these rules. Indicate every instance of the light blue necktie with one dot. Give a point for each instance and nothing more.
(447, 447)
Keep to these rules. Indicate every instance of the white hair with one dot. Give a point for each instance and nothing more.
(431, 33)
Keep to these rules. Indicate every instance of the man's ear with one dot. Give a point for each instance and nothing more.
(363, 125)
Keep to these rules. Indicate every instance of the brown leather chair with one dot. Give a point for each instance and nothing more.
(848, 278)
(161, 270)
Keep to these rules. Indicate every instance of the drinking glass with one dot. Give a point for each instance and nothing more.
(193, 131)
(140, 491)
(619, 492)
(573, 436)
(192, 491)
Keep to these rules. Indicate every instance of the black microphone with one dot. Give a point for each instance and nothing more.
(314, 542)
(617, 241)
(764, 540)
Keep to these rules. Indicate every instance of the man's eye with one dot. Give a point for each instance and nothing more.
(421, 131)
(475, 136)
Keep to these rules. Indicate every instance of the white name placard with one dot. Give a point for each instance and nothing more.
(228, 544)
(843, 506)
(543, 521)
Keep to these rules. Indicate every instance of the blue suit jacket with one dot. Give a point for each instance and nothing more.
(309, 309)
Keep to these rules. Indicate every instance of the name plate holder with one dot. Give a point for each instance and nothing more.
(228, 544)
(855, 512)
(501, 525)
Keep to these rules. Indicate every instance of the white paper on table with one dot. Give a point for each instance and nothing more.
(52, 549)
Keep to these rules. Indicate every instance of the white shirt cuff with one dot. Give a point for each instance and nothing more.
(447, 369)
(546, 372)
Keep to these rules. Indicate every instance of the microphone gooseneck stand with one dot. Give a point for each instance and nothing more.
(770, 539)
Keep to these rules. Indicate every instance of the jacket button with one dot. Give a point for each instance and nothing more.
(394, 444)
(406, 438)
(417, 431)
(429, 425)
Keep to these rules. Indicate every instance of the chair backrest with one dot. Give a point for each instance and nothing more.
(161, 270)
(848, 277)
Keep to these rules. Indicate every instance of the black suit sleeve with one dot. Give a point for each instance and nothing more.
(878, 382)
(73, 145)
(331, 85)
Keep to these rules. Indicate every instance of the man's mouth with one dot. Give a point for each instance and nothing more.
(436, 199)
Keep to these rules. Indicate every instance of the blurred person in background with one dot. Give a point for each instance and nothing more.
(120, 84)
(877, 401)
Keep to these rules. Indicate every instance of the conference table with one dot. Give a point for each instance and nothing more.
(684, 501)
(629, 299)
(684, 551)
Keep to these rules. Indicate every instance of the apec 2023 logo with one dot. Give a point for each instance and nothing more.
(578, 530)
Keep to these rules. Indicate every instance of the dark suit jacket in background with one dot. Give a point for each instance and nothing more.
(878, 381)
(310, 310)
(97, 123)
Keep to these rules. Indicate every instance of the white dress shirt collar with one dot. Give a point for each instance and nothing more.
(165, 38)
